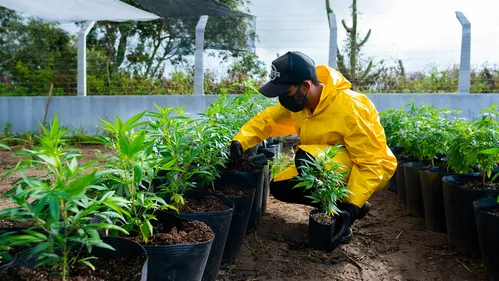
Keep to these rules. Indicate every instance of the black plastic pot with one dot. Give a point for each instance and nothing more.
(487, 225)
(433, 198)
(257, 182)
(414, 195)
(219, 223)
(397, 150)
(399, 173)
(251, 151)
(182, 262)
(459, 213)
(392, 183)
(123, 248)
(240, 217)
(319, 235)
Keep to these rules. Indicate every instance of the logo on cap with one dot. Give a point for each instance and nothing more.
(274, 73)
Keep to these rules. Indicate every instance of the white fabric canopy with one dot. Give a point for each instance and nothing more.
(78, 10)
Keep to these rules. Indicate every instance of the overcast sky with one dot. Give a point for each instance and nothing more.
(418, 32)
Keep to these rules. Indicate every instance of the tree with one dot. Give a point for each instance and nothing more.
(34, 54)
(145, 47)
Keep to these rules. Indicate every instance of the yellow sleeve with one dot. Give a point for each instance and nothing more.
(366, 144)
(274, 121)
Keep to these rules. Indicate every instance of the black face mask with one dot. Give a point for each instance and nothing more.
(295, 102)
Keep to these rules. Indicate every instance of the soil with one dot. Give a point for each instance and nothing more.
(243, 164)
(208, 204)
(388, 244)
(322, 218)
(231, 190)
(115, 269)
(192, 232)
(478, 185)
(6, 223)
(8, 160)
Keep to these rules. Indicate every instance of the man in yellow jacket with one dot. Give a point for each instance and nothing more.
(317, 104)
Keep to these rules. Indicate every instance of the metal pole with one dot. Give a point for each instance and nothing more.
(199, 64)
(465, 65)
(82, 57)
(333, 41)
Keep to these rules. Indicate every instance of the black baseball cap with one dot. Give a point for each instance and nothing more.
(288, 69)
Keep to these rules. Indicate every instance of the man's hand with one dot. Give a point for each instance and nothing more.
(236, 150)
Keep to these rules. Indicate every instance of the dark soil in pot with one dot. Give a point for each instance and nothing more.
(487, 223)
(217, 214)
(208, 204)
(320, 230)
(414, 195)
(459, 213)
(128, 262)
(433, 198)
(179, 250)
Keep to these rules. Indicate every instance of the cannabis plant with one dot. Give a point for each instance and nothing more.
(130, 170)
(322, 177)
(170, 132)
(58, 203)
(469, 148)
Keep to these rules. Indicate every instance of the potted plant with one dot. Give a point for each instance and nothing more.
(210, 134)
(437, 142)
(171, 132)
(178, 249)
(64, 239)
(487, 223)
(322, 177)
(428, 139)
(231, 115)
(460, 190)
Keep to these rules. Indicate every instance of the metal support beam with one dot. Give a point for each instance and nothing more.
(82, 57)
(333, 41)
(465, 65)
(199, 54)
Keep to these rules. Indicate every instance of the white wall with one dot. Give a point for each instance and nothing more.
(25, 113)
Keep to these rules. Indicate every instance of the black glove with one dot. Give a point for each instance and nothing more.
(235, 150)
(347, 216)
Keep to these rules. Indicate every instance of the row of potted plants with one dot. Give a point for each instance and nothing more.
(164, 204)
(446, 174)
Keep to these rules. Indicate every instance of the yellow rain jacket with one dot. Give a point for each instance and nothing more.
(342, 117)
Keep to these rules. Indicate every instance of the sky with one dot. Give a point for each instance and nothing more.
(420, 33)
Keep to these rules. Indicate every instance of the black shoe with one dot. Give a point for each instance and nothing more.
(347, 236)
(364, 210)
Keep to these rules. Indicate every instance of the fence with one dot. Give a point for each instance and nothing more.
(81, 113)
(36, 54)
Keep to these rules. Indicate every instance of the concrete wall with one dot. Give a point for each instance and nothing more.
(25, 113)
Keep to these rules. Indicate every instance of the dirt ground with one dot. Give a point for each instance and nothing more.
(388, 244)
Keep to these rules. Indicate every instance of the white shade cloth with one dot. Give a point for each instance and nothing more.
(78, 10)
